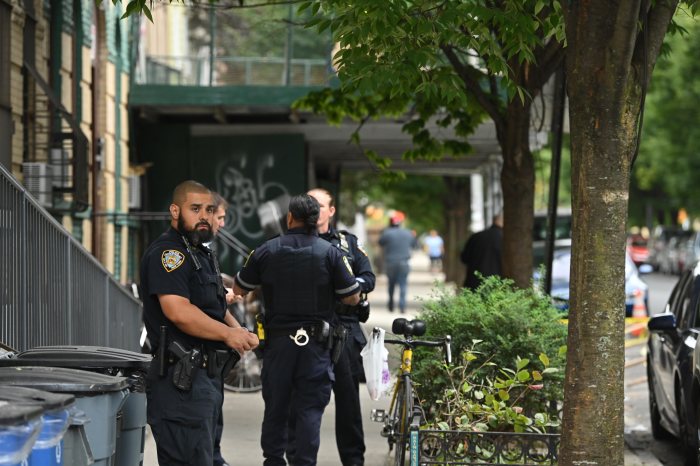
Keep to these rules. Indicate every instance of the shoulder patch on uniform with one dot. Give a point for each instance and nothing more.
(172, 259)
(361, 250)
(347, 264)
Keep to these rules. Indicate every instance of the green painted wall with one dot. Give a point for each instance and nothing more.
(246, 170)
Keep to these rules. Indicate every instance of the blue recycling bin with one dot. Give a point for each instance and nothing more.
(99, 396)
(19, 428)
(48, 447)
(131, 438)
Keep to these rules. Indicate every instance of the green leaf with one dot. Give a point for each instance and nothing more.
(442, 425)
(536, 375)
(550, 370)
(522, 363)
(478, 394)
(147, 12)
(544, 359)
(466, 387)
(523, 376)
(503, 395)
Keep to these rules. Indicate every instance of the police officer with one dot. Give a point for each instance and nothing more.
(301, 276)
(185, 315)
(348, 371)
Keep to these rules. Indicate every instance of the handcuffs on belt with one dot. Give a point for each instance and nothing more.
(301, 338)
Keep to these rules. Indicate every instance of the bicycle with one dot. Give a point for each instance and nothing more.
(402, 424)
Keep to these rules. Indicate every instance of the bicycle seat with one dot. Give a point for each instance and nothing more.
(398, 326)
(403, 327)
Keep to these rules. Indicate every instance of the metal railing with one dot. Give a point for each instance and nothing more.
(234, 71)
(450, 447)
(52, 291)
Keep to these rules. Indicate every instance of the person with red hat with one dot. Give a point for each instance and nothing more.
(397, 243)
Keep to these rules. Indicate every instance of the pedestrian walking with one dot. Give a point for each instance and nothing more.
(435, 247)
(482, 253)
(301, 276)
(185, 317)
(397, 243)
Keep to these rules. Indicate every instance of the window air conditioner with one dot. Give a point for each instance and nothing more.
(38, 179)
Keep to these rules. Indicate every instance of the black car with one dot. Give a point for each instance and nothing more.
(672, 341)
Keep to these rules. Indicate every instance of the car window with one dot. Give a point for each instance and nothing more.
(676, 293)
(562, 230)
(690, 312)
(684, 310)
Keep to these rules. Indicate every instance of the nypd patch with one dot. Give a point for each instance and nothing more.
(172, 259)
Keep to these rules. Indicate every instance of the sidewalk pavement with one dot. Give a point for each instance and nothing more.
(243, 411)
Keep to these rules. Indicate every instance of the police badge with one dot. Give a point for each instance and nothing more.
(172, 259)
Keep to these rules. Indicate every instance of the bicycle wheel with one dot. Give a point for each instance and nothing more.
(245, 376)
(402, 419)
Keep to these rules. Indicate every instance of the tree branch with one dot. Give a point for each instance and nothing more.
(470, 78)
(547, 60)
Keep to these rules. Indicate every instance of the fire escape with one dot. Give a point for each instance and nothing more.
(56, 149)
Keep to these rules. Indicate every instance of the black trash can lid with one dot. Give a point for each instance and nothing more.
(12, 414)
(50, 401)
(62, 380)
(80, 357)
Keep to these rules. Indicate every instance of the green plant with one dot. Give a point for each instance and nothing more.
(474, 402)
(508, 322)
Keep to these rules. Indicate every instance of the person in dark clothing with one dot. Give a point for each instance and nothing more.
(301, 277)
(348, 370)
(185, 316)
(482, 253)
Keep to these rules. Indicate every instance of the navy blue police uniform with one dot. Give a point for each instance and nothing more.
(301, 276)
(183, 420)
(348, 371)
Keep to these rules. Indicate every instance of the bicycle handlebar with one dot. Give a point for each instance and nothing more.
(444, 342)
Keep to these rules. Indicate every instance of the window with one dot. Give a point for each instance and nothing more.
(5, 109)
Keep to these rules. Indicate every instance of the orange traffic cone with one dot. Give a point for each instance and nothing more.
(639, 314)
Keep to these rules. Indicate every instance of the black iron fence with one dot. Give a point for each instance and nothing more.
(52, 290)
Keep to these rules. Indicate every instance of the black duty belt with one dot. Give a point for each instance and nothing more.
(301, 334)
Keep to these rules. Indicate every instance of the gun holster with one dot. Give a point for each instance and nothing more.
(220, 362)
(340, 336)
(186, 365)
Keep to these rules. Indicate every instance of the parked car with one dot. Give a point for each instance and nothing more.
(657, 244)
(637, 249)
(561, 267)
(672, 379)
(671, 257)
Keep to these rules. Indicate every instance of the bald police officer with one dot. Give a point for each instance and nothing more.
(185, 315)
(301, 277)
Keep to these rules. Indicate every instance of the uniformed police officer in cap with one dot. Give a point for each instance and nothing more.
(301, 277)
(348, 371)
(185, 315)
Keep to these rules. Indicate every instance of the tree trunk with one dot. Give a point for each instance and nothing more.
(457, 202)
(604, 102)
(518, 184)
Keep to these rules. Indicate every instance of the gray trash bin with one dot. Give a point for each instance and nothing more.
(99, 396)
(111, 361)
(48, 448)
(19, 428)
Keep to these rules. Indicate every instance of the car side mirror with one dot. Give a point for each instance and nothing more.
(645, 268)
(662, 322)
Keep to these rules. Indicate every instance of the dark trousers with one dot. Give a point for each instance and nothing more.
(299, 376)
(219, 431)
(397, 274)
(183, 423)
(349, 436)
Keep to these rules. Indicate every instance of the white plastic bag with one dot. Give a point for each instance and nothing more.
(375, 361)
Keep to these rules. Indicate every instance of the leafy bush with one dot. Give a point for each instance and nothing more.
(510, 324)
(472, 402)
